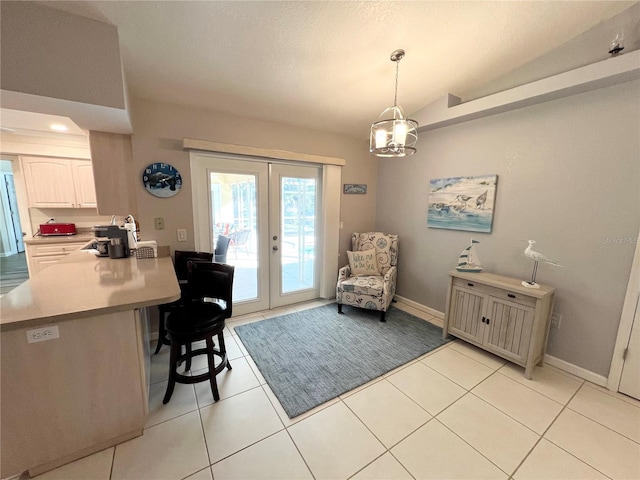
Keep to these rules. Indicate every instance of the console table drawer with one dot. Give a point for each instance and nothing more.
(511, 296)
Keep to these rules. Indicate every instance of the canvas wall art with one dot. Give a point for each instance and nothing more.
(462, 203)
(355, 188)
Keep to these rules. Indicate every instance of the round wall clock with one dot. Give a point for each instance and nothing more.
(161, 180)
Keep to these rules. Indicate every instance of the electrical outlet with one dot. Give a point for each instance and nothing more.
(182, 235)
(341, 225)
(42, 334)
(159, 223)
(556, 318)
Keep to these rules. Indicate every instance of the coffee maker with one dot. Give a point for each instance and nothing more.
(112, 241)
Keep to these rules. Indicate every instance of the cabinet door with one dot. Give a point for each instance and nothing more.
(508, 329)
(49, 182)
(465, 317)
(84, 185)
(40, 263)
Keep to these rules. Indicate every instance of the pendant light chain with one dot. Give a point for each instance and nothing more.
(395, 96)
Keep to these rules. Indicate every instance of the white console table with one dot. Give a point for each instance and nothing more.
(498, 314)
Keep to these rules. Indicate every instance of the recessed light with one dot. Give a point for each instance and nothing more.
(58, 127)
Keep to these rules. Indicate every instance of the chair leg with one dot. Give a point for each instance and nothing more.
(212, 369)
(161, 332)
(223, 348)
(187, 348)
(339, 308)
(173, 365)
(382, 314)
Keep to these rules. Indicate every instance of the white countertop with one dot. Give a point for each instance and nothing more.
(42, 240)
(82, 284)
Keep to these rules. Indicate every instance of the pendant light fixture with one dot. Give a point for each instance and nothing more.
(394, 135)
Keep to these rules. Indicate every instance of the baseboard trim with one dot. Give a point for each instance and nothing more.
(583, 373)
(421, 307)
(563, 365)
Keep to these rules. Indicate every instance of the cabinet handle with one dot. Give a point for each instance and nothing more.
(470, 284)
(511, 295)
(483, 319)
(488, 321)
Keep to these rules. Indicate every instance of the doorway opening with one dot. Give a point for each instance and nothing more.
(13, 262)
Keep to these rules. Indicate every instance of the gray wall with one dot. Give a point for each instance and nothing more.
(568, 177)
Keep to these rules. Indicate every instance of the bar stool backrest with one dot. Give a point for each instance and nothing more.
(182, 258)
(212, 281)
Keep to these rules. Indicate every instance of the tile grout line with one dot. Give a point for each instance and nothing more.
(603, 425)
(204, 434)
(564, 407)
(113, 460)
(468, 392)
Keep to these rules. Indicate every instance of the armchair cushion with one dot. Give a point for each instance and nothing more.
(363, 262)
(371, 285)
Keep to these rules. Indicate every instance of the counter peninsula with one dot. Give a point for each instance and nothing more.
(74, 355)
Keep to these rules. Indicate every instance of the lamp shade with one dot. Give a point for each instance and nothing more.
(393, 135)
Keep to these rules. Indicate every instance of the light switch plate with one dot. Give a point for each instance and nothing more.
(182, 235)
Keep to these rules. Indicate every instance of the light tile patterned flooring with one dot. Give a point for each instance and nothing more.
(457, 412)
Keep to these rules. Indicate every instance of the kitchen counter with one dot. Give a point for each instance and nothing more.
(75, 358)
(83, 284)
(47, 239)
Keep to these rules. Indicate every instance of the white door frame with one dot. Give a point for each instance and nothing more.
(330, 214)
(626, 322)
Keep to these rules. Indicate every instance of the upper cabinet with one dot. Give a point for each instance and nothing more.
(59, 182)
(84, 183)
(112, 159)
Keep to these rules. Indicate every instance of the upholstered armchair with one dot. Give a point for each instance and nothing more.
(369, 281)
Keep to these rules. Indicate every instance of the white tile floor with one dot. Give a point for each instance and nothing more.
(458, 412)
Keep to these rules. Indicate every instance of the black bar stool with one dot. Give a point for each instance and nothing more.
(201, 317)
(181, 259)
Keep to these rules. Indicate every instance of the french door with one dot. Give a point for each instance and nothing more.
(271, 212)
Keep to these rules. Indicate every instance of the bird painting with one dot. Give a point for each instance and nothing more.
(463, 199)
(481, 200)
(536, 257)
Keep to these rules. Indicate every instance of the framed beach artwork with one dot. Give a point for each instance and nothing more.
(462, 203)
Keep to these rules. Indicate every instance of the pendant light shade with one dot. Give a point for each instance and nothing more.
(393, 135)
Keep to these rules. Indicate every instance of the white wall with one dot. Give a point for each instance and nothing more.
(568, 177)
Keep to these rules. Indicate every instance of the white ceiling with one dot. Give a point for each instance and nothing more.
(325, 64)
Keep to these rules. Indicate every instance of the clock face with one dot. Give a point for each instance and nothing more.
(161, 180)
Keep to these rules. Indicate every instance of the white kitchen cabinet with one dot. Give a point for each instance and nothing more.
(500, 315)
(41, 256)
(59, 182)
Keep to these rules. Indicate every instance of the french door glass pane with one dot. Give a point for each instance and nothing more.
(234, 214)
(298, 223)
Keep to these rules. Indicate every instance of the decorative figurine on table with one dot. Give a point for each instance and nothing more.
(536, 257)
(468, 260)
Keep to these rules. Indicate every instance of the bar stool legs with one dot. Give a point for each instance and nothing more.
(176, 357)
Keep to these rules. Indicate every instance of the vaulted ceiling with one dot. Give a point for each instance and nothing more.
(325, 64)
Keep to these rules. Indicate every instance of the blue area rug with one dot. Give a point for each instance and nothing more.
(313, 356)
